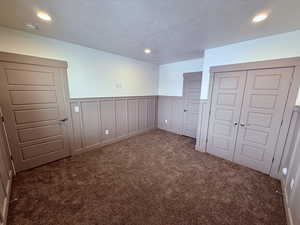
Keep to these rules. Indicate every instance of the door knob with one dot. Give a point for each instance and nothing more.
(185, 110)
(64, 120)
(242, 125)
(235, 124)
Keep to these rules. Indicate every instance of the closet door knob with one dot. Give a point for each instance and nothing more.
(242, 125)
(235, 124)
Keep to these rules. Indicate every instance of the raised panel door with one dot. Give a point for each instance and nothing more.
(34, 105)
(225, 113)
(264, 101)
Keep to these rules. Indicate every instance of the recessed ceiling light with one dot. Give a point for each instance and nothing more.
(44, 16)
(260, 17)
(147, 51)
(31, 26)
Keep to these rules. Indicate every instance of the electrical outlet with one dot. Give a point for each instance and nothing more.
(284, 171)
(106, 132)
(166, 121)
(76, 109)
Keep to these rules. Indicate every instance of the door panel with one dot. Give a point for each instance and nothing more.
(143, 114)
(34, 103)
(39, 149)
(36, 133)
(108, 120)
(32, 97)
(30, 116)
(225, 112)
(15, 76)
(191, 95)
(133, 115)
(91, 125)
(121, 118)
(265, 96)
(151, 112)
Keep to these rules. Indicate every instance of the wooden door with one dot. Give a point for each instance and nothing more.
(225, 113)
(262, 112)
(191, 95)
(34, 100)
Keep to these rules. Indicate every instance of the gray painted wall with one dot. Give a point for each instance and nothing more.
(100, 121)
(170, 117)
(170, 113)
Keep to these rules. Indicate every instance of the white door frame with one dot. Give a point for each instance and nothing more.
(292, 96)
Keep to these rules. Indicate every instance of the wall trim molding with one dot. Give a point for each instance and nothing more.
(116, 140)
(288, 214)
(111, 98)
(264, 64)
(192, 74)
(97, 122)
(170, 113)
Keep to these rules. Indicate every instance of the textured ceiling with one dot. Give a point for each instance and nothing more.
(174, 29)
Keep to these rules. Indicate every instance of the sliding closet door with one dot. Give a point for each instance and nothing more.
(225, 113)
(262, 111)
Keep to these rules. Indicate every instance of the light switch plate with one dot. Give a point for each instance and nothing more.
(106, 132)
(76, 108)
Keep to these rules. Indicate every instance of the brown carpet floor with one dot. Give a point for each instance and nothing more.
(153, 179)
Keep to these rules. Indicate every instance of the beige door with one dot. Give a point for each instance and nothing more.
(262, 112)
(225, 113)
(34, 100)
(191, 95)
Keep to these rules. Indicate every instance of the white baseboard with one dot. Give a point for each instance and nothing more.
(286, 207)
(198, 148)
(114, 140)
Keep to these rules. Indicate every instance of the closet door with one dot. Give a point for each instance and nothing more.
(225, 113)
(262, 112)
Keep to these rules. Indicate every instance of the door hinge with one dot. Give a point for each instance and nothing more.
(273, 159)
(281, 123)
